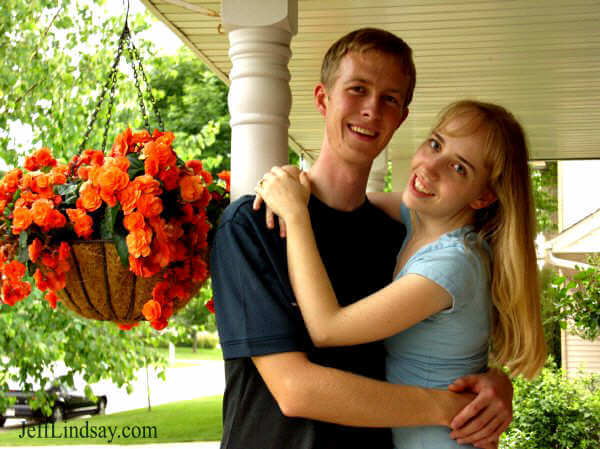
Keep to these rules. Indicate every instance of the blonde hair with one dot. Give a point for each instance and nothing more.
(508, 225)
(365, 39)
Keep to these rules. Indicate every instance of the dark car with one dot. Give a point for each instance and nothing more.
(67, 405)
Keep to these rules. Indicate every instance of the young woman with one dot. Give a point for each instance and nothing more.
(466, 277)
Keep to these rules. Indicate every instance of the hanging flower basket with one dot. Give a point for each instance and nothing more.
(122, 237)
(99, 287)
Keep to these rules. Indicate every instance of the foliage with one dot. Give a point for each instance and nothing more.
(544, 195)
(577, 300)
(70, 347)
(195, 318)
(54, 59)
(193, 101)
(549, 314)
(555, 412)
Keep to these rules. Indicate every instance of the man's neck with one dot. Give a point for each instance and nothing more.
(340, 186)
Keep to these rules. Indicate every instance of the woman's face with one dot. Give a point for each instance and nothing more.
(449, 177)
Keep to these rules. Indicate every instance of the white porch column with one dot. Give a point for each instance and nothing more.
(260, 32)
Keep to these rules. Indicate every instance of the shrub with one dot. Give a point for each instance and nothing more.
(555, 412)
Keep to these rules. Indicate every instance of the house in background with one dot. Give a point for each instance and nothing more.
(579, 236)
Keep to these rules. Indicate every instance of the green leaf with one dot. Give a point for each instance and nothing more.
(136, 166)
(122, 249)
(69, 192)
(23, 255)
(107, 226)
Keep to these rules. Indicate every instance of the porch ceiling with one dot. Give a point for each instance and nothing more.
(540, 59)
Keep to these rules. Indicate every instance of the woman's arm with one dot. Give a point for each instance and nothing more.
(389, 202)
(396, 307)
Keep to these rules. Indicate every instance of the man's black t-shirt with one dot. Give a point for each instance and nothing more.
(257, 315)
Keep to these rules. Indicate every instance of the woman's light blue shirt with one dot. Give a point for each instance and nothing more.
(451, 343)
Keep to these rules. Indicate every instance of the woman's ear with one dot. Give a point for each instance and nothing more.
(320, 95)
(486, 198)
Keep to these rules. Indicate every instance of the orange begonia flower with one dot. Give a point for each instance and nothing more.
(170, 177)
(50, 260)
(148, 185)
(56, 281)
(40, 280)
(138, 242)
(90, 196)
(40, 211)
(159, 324)
(82, 222)
(151, 310)
(127, 326)
(121, 145)
(63, 251)
(225, 176)
(128, 197)
(52, 298)
(55, 220)
(12, 178)
(160, 292)
(44, 158)
(199, 270)
(151, 166)
(195, 165)
(13, 292)
(14, 270)
(83, 172)
(210, 305)
(191, 188)
(134, 221)
(112, 179)
(22, 219)
(149, 205)
(31, 163)
(35, 250)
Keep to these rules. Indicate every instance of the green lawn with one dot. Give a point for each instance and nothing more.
(194, 420)
(185, 357)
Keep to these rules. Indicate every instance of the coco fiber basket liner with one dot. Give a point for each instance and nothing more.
(99, 287)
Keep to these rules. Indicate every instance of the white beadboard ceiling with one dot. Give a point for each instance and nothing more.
(539, 58)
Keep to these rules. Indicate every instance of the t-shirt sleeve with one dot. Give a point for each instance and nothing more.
(453, 268)
(253, 299)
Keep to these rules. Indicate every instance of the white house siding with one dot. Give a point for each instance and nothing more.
(576, 182)
(580, 355)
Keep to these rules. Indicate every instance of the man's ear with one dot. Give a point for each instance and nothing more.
(486, 198)
(320, 95)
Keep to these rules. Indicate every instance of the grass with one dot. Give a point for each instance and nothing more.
(185, 357)
(194, 420)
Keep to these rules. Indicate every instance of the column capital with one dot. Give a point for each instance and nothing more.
(282, 14)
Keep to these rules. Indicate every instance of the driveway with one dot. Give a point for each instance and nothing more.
(204, 378)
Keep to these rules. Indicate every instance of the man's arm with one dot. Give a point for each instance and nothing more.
(490, 414)
(304, 389)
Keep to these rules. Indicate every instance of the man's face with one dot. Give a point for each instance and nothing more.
(364, 106)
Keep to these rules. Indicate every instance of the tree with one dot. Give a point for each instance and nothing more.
(54, 62)
(544, 196)
(193, 102)
(577, 300)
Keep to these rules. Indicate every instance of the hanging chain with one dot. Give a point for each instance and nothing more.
(136, 57)
(110, 83)
(126, 41)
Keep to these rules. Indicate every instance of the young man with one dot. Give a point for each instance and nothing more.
(281, 391)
